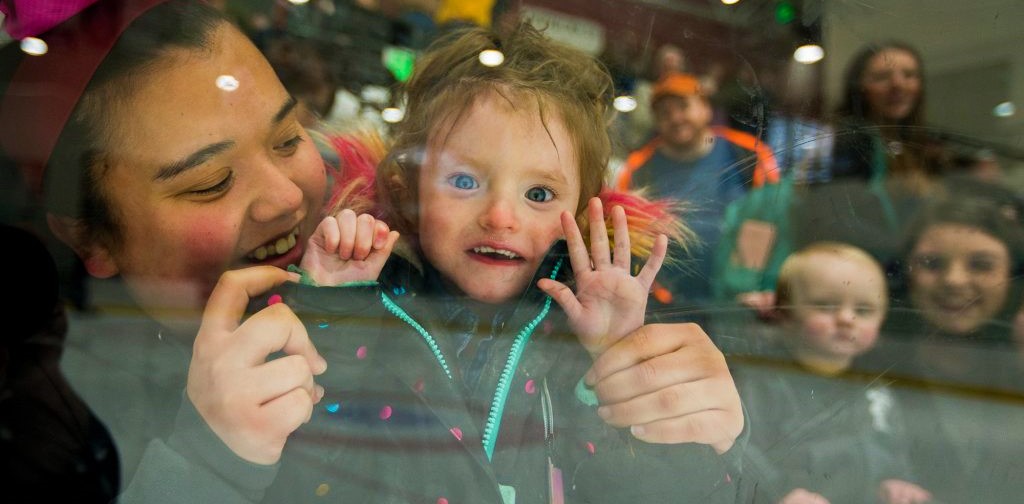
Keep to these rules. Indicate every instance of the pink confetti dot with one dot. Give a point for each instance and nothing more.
(590, 447)
(442, 500)
(457, 432)
(530, 387)
(361, 352)
(546, 326)
(274, 299)
(385, 413)
(419, 386)
(728, 478)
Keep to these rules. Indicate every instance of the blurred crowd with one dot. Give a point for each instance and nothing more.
(862, 271)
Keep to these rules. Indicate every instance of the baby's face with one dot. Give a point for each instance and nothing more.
(490, 195)
(838, 306)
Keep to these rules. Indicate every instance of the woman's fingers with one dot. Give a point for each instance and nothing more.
(230, 297)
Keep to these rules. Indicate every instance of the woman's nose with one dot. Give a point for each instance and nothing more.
(956, 274)
(277, 195)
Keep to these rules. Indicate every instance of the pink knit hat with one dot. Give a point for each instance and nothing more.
(44, 90)
(29, 18)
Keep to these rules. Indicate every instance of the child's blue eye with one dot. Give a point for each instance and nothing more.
(463, 181)
(540, 194)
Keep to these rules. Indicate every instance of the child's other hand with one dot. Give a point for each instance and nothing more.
(894, 491)
(609, 302)
(801, 496)
(348, 248)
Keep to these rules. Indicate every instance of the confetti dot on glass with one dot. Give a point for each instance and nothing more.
(457, 432)
(442, 500)
(728, 478)
(322, 324)
(274, 299)
(322, 489)
(361, 352)
(546, 326)
(419, 386)
(530, 387)
(385, 413)
(590, 448)
(333, 407)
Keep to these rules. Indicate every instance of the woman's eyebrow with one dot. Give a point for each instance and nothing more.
(285, 109)
(197, 158)
(200, 156)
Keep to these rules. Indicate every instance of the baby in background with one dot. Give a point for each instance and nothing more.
(823, 434)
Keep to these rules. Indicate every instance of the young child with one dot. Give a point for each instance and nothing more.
(824, 434)
(455, 377)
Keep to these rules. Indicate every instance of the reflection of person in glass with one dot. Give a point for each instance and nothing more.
(492, 167)
(824, 434)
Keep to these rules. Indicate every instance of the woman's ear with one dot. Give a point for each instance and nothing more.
(96, 257)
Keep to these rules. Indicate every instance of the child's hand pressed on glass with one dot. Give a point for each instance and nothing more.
(348, 248)
(609, 301)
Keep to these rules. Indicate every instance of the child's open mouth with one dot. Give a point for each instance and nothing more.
(498, 255)
(275, 248)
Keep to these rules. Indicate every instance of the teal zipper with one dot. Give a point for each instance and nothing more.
(493, 425)
(431, 342)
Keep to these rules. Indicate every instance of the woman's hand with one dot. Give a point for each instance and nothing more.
(670, 384)
(348, 248)
(609, 301)
(250, 403)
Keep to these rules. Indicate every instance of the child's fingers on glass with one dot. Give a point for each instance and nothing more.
(562, 295)
(599, 251)
(654, 262)
(579, 257)
(622, 244)
(365, 227)
(326, 235)
(347, 228)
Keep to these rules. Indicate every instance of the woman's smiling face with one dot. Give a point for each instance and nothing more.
(959, 277)
(208, 169)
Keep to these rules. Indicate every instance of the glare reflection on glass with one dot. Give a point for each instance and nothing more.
(624, 103)
(34, 46)
(227, 82)
(807, 54)
(730, 2)
(392, 115)
(299, 2)
(491, 57)
(1005, 109)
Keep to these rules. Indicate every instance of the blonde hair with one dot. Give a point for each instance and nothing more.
(449, 78)
(796, 265)
(560, 80)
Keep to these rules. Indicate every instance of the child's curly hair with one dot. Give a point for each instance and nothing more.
(563, 82)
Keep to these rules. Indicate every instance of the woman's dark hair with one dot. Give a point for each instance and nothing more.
(854, 104)
(77, 165)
